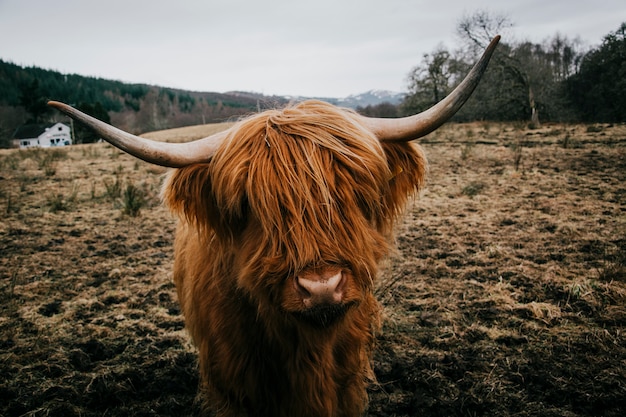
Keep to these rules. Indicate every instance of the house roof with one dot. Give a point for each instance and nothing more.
(31, 131)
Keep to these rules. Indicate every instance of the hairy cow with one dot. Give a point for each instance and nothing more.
(283, 221)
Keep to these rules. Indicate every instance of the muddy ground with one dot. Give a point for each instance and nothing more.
(506, 297)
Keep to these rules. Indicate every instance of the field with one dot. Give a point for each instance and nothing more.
(506, 296)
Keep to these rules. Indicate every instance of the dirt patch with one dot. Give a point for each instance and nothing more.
(506, 296)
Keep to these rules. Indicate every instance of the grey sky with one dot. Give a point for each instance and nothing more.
(327, 48)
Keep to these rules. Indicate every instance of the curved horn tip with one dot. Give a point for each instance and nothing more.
(58, 105)
(494, 41)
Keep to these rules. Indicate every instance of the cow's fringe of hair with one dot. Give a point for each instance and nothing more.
(290, 189)
(263, 174)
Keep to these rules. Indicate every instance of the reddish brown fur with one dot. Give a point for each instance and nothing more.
(299, 189)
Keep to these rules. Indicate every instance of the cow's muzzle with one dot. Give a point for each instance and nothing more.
(322, 295)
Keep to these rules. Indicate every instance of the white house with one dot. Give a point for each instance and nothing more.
(43, 136)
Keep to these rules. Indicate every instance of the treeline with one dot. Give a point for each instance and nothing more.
(136, 108)
(553, 81)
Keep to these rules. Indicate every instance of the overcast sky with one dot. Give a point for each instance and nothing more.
(329, 48)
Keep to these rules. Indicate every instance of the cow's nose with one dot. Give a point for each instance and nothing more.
(325, 287)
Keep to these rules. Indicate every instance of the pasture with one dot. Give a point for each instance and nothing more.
(506, 295)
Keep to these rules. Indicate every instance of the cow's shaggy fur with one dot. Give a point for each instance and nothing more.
(299, 189)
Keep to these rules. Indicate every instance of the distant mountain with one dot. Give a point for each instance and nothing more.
(368, 98)
(371, 98)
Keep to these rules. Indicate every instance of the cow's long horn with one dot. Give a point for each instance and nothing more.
(174, 155)
(416, 126)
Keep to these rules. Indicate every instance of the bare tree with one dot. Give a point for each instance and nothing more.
(477, 30)
(431, 80)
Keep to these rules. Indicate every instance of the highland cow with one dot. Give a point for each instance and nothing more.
(283, 220)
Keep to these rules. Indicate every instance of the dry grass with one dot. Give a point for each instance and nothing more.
(506, 297)
(186, 134)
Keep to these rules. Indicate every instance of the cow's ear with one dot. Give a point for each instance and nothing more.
(408, 167)
(189, 193)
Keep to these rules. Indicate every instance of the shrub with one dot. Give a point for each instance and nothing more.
(473, 188)
(113, 189)
(57, 202)
(133, 200)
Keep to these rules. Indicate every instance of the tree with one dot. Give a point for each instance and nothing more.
(478, 29)
(564, 56)
(596, 91)
(430, 81)
(499, 96)
(83, 134)
(539, 70)
(10, 119)
(32, 99)
(385, 110)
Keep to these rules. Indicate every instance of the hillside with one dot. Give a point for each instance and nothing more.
(137, 108)
(134, 107)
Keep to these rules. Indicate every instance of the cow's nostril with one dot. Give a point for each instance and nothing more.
(304, 293)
